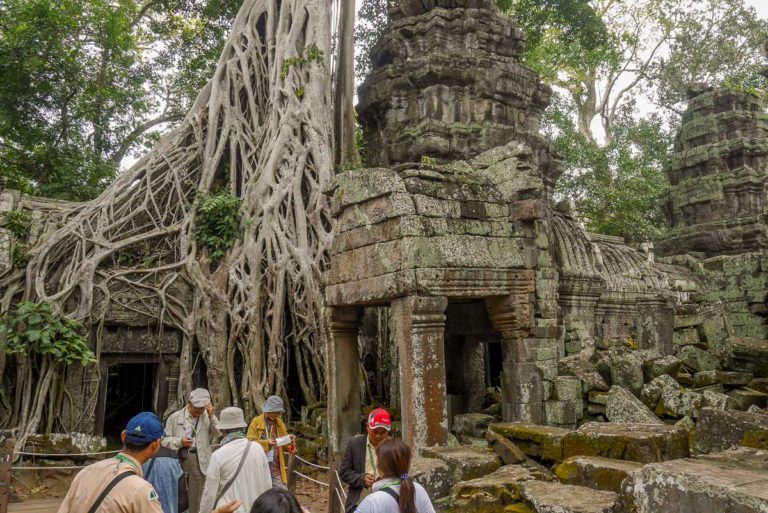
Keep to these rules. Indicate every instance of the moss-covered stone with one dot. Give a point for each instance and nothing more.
(643, 443)
(595, 472)
(465, 462)
(544, 442)
(494, 492)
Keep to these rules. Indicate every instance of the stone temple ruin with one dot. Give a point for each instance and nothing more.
(615, 363)
(609, 356)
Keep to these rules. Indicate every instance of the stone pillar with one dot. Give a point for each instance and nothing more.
(419, 329)
(343, 375)
(522, 380)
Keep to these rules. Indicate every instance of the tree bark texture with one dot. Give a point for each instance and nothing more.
(261, 130)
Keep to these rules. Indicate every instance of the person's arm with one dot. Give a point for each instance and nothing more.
(148, 501)
(254, 435)
(229, 507)
(212, 478)
(348, 473)
(171, 442)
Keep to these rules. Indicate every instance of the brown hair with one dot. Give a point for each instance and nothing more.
(394, 460)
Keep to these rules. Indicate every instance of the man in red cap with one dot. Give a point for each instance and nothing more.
(359, 467)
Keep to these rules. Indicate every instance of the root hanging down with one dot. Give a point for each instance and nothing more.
(260, 130)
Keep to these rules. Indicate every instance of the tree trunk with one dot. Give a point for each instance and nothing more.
(343, 109)
(262, 130)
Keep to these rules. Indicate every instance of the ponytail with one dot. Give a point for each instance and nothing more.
(394, 460)
(407, 496)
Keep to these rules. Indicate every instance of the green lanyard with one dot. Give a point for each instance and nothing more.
(122, 458)
(372, 459)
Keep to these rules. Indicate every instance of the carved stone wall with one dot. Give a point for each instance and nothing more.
(448, 84)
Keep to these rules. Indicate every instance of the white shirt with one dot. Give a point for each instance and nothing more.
(382, 502)
(253, 480)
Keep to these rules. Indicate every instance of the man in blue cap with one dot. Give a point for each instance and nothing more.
(116, 485)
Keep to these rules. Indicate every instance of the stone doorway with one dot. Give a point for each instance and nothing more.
(468, 333)
(129, 385)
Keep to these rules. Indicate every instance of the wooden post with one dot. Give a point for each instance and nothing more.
(6, 462)
(334, 505)
(291, 472)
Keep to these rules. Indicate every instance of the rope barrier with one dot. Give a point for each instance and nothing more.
(341, 501)
(43, 454)
(341, 485)
(310, 463)
(310, 479)
(71, 467)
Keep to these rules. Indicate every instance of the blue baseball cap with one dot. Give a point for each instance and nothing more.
(144, 428)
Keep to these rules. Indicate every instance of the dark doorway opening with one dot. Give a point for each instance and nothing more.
(130, 389)
(495, 360)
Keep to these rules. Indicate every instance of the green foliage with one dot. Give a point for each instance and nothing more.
(18, 222)
(20, 255)
(427, 161)
(616, 186)
(82, 83)
(299, 92)
(313, 54)
(33, 328)
(217, 225)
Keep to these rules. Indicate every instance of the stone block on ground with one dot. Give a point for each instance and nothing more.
(581, 367)
(643, 443)
(669, 365)
(719, 430)
(547, 497)
(544, 442)
(733, 378)
(595, 472)
(697, 359)
(717, 401)
(507, 451)
(678, 402)
(743, 398)
(695, 485)
(465, 462)
(433, 474)
(748, 355)
(498, 491)
(651, 392)
(472, 424)
(741, 457)
(626, 369)
(624, 407)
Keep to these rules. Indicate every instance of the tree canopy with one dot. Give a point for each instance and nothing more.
(83, 83)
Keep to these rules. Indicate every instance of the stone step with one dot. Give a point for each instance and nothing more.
(496, 492)
(718, 430)
(643, 443)
(548, 497)
(700, 485)
(542, 442)
(595, 472)
(465, 462)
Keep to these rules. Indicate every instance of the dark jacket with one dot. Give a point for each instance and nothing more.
(353, 470)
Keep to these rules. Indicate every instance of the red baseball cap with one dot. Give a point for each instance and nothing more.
(379, 418)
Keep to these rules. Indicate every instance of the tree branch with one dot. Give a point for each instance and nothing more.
(138, 131)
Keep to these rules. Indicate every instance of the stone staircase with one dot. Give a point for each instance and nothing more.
(597, 468)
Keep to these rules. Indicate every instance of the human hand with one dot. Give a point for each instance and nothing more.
(273, 442)
(369, 480)
(186, 441)
(228, 508)
(209, 409)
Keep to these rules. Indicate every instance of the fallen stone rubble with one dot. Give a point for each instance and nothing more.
(606, 467)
